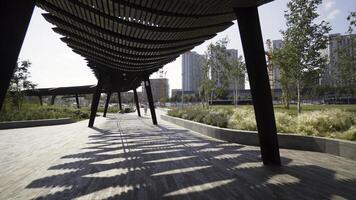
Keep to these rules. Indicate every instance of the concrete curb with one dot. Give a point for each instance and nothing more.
(343, 148)
(34, 123)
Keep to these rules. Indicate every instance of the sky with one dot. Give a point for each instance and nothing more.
(55, 65)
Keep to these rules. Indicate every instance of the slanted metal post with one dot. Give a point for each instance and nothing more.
(108, 95)
(150, 100)
(95, 102)
(15, 18)
(53, 99)
(77, 101)
(119, 98)
(137, 103)
(41, 101)
(252, 43)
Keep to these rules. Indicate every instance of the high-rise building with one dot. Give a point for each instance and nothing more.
(191, 71)
(336, 43)
(159, 87)
(274, 72)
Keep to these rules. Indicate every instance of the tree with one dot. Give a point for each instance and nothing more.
(219, 70)
(305, 39)
(236, 69)
(218, 58)
(284, 58)
(20, 82)
(206, 86)
(346, 62)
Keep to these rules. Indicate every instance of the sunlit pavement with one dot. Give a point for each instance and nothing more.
(126, 157)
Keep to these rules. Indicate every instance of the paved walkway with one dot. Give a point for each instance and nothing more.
(126, 157)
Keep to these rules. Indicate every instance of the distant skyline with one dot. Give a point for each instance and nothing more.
(55, 65)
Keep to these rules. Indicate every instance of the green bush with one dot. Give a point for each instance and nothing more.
(284, 122)
(127, 110)
(216, 119)
(175, 112)
(335, 123)
(320, 123)
(243, 119)
(33, 112)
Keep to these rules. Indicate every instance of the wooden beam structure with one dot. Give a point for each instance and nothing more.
(137, 102)
(151, 103)
(108, 95)
(124, 42)
(252, 43)
(15, 18)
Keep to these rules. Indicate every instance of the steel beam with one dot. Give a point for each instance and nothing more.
(150, 100)
(108, 95)
(119, 99)
(15, 18)
(137, 103)
(252, 43)
(95, 102)
(77, 101)
(41, 101)
(53, 99)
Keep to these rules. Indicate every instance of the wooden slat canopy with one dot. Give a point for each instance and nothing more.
(126, 40)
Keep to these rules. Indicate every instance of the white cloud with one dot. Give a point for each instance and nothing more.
(332, 14)
(328, 5)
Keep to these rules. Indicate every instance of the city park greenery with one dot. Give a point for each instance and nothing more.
(335, 121)
(17, 108)
(301, 63)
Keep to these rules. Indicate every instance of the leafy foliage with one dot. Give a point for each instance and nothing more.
(346, 62)
(301, 58)
(220, 69)
(335, 123)
(34, 112)
(18, 83)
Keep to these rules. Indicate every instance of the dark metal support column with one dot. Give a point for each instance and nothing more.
(77, 101)
(53, 99)
(108, 95)
(252, 42)
(95, 102)
(41, 101)
(15, 17)
(119, 99)
(137, 103)
(150, 100)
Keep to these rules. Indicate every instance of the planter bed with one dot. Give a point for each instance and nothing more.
(336, 147)
(34, 123)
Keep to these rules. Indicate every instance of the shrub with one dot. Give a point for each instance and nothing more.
(33, 112)
(320, 123)
(216, 119)
(334, 123)
(242, 119)
(175, 112)
(200, 116)
(284, 122)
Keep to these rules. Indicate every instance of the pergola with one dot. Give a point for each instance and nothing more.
(76, 91)
(124, 41)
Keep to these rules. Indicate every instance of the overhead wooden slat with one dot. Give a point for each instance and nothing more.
(136, 37)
